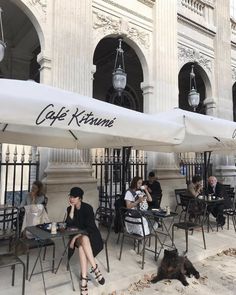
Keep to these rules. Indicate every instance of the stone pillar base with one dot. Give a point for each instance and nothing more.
(59, 181)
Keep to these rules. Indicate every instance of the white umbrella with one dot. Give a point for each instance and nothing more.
(40, 115)
(202, 133)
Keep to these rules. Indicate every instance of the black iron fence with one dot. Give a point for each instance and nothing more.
(196, 166)
(114, 170)
(17, 173)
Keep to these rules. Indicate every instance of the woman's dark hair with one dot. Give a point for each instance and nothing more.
(196, 178)
(39, 186)
(133, 184)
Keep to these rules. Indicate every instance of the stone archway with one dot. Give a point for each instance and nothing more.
(23, 45)
(104, 59)
(203, 87)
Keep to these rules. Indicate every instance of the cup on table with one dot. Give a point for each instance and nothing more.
(62, 226)
(54, 228)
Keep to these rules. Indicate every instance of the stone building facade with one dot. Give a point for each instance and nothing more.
(66, 43)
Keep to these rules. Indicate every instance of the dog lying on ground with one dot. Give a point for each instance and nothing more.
(176, 267)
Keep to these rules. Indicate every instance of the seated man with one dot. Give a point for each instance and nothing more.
(217, 189)
(154, 188)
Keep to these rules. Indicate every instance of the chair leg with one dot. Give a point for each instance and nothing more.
(107, 258)
(227, 221)
(155, 248)
(173, 235)
(23, 279)
(143, 254)
(203, 236)
(13, 275)
(118, 238)
(234, 222)
(44, 253)
(27, 265)
(53, 257)
(186, 238)
(121, 246)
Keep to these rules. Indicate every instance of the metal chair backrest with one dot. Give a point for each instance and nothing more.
(196, 206)
(9, 222)
(132, 217)
(177, 195)
(105, 217)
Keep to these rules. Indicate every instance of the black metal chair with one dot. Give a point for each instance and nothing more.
(184, 202)
(30, 244)
(105, 217)
(177, 197)
(187, 225)
(231, 212)
(11, 260)
(9, 223)
(134, 217)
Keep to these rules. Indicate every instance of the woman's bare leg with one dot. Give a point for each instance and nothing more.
(87, 250)
(86, 246)
(83, 262)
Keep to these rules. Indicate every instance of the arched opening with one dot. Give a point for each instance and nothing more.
(184, 87)
(20, 62)
(23, 46)
(234, 101)
(104, 59)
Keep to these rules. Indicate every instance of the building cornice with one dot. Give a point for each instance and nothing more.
(139, 15)
(196, 25)
(149, 3)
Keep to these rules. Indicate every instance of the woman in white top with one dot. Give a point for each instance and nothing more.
(136, 197)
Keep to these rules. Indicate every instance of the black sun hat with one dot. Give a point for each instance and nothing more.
(76, 192)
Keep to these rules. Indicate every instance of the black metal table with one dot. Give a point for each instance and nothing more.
(40, 235)
(152, 216)
(209, 202)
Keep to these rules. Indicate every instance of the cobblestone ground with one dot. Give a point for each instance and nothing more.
(218, 276)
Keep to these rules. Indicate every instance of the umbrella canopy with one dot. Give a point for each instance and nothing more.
(40, 115)
(202, 132)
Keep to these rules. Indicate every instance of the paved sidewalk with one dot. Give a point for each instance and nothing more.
(122, 272)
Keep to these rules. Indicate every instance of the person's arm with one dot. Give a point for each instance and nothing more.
(149, 197)
(24, 201)
(130, 200)
(70, 216)
(192, 191)
(130, 204)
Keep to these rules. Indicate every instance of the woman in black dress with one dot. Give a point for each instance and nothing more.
(80, 214)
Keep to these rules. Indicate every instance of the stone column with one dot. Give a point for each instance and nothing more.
(225, 165)
(166, 91)
(71, 70)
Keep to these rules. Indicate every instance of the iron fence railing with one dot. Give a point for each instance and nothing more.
(114, 169)
(17, 173)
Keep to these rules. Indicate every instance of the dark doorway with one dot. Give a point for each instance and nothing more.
(104, 59)
(23, 46)
(184, 87)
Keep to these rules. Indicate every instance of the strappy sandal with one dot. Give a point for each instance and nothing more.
(83, 289)
(98, 275)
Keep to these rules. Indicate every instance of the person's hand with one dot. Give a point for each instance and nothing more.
(72, 242)
(72, 209)
(140, 199)
(149, 190)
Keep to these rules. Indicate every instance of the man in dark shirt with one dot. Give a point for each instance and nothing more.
(155, 190)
